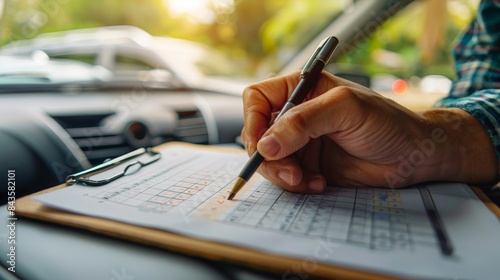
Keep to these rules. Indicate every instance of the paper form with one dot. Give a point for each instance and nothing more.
(376, 229)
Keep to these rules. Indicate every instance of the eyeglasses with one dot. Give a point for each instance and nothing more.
(142, 156)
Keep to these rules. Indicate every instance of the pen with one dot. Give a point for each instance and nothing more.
(437, 224)
(308, 78)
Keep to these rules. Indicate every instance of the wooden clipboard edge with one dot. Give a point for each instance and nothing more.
(263, 261)
(486, 200)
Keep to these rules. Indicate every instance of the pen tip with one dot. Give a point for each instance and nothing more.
(237, 186)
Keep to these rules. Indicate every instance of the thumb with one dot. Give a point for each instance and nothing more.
(284, 137)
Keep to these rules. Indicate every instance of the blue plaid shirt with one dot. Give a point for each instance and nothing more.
(477, 65)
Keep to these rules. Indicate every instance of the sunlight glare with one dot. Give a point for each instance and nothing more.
(195, 9)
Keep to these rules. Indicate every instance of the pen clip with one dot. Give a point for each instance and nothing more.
(310, 61)
(308, 65)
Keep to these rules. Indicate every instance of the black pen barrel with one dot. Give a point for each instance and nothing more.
(251, 166)
(305, 85)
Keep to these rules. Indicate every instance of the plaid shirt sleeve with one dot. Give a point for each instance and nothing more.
(477, 65)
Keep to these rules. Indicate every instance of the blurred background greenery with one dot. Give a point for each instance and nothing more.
(258, 32)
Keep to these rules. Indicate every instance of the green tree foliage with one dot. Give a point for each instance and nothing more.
(24, 19)
(250, 30)
(402, 36)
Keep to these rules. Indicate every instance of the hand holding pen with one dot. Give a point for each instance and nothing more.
(348, 135)
(309, 76)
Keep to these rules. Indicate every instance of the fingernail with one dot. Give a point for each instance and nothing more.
(316, 185)
(268, 146)
(286, 175)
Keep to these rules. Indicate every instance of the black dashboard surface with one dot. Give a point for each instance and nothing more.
(45, 136)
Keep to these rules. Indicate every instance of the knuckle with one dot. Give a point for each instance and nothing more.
(356, 96)
(349, 97)
(248, 92)
(295, 120)
(345, 92)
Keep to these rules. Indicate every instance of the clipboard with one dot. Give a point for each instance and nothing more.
(26, 207)
(126, 164)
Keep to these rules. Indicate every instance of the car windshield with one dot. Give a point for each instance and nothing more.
(182, 43)
(39, 70)
(195, 59)
(191, 39)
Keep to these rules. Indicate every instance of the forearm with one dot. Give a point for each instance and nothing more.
(474, 136)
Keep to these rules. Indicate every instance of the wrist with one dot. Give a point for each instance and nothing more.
(459, 148)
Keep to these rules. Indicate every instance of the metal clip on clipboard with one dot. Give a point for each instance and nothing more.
(142, 156)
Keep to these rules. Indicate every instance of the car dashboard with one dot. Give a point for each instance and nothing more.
(47, 136)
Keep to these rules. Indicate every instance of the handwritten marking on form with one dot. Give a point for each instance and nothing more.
(196, 185)
(186, 192)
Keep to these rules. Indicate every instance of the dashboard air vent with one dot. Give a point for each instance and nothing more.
(96, 142)
(191, 127)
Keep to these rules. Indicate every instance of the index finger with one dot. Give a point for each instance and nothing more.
(262, 99)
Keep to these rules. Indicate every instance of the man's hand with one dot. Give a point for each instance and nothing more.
(347, 135)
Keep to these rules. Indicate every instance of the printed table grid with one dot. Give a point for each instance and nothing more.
(165, 191)
(365, 217)
(371, 218)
